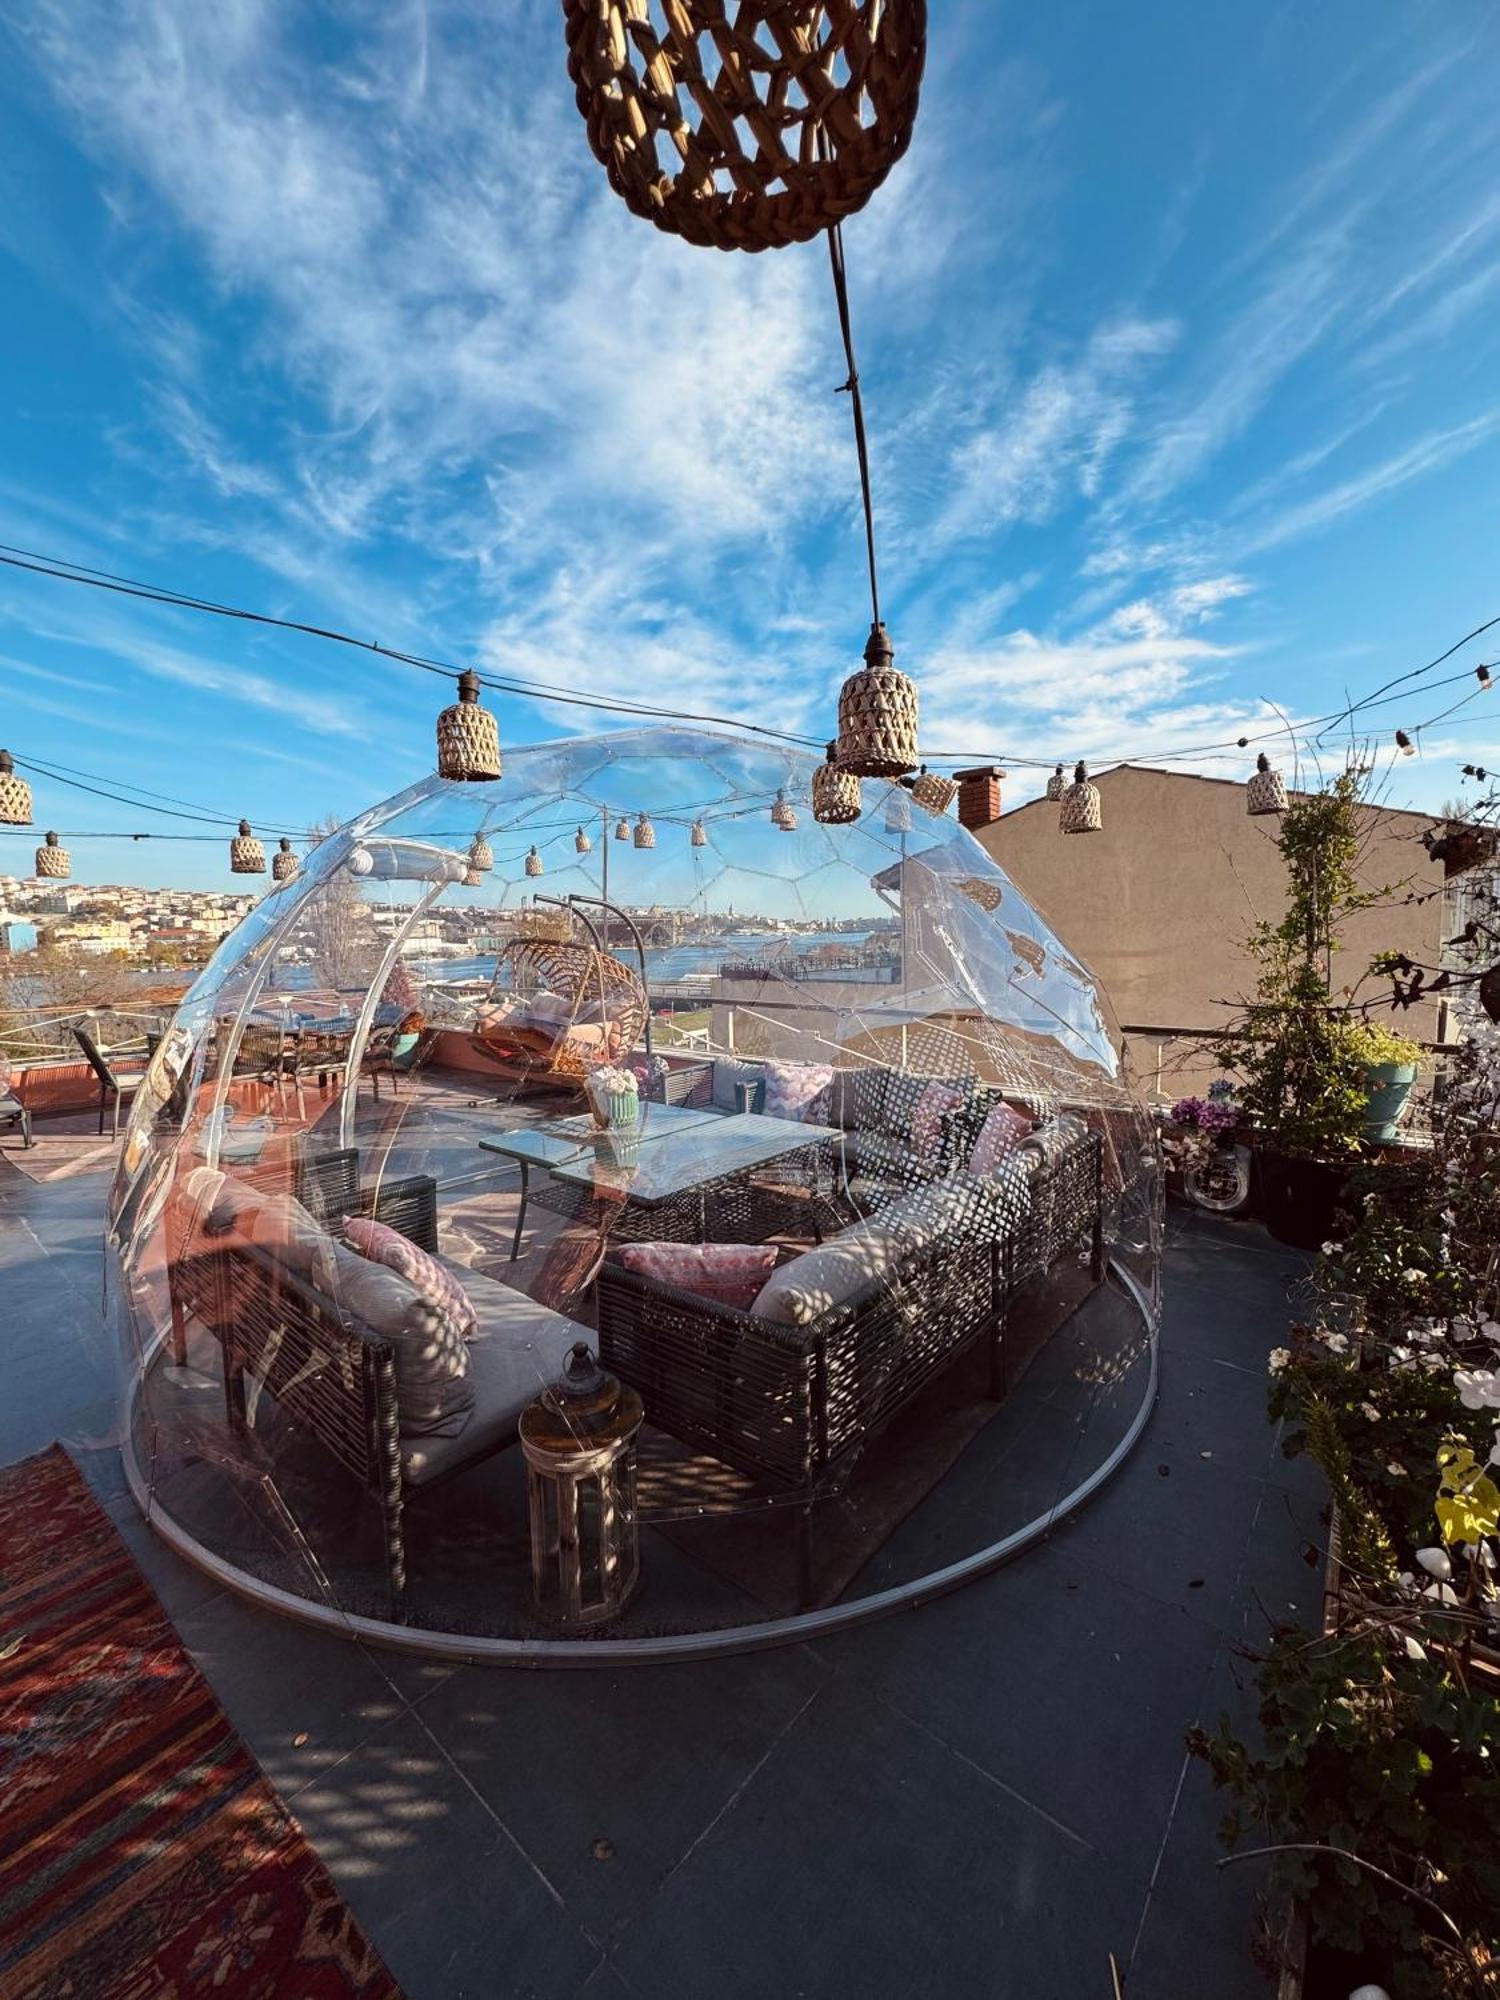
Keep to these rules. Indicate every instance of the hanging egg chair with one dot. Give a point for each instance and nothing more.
(878, 715)
(1265, 793)
(53, 860)
(246, 855)
(1056, 786)
(533, 863)
(468, 737)
(645, 832)
(15, 794)
(283, 862)
(1082, 807)
(581, 842)
(934, 792)
(778, 120)
(835, 793)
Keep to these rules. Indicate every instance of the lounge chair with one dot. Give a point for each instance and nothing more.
(115, 1086)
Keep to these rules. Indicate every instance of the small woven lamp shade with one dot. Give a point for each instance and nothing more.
(1082, 807)
(481, 855)
(933, 791)
(533, 863)
(1266, 791)
(645, 832)
(985, 894)
(581, 842)
(878, 715)
(835, 793)
(1056, 787)
(897, 811)
(782, 814)
(622, 828)
(777, 120)
(15, 794)
(467, 735)
(53, 860)
(283, 862)
(699, 834)
(246, 855)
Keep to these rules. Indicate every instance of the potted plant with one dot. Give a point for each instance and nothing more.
(1303, 1061)
(1390, 1065)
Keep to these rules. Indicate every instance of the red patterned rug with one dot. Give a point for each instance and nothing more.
(143, 1856)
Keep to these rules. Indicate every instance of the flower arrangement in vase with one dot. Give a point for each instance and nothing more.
(614, 1096)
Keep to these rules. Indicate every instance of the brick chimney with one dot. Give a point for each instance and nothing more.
(979, 796)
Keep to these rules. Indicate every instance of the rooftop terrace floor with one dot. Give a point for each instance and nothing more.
(987, 1795)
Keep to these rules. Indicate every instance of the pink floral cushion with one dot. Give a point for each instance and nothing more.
(798, 1090)
(381, 1244)
(1002, 1131)
(732, 1274)
(927, 1118)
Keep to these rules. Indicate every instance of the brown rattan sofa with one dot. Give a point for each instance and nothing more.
(794, 1405)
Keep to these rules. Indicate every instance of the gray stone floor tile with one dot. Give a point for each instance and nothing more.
(1177, 1959)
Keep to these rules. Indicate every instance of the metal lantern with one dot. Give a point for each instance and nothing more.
(467, 735)
(1082, 807)
(1266, 791)
(15, 794)
(53, 860)
(645, 832)
(622, 828)
(835, 793)
(283, 861)
(934, 792)
(897, 810)
(246, 855)
(578, 1440)
(481, 855)
(699, 834)
(878, 715)
(1056, 786)
(533, 863)
(782, 814)
(582, 843)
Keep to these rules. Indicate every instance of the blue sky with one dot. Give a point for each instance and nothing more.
(1178, 325)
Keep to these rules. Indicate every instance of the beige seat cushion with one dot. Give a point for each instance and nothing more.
(434, 1393)
(516, 1349)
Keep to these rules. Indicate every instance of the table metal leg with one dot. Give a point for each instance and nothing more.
(515, 1248)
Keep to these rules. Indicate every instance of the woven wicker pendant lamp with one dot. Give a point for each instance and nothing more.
(468, 736)
(985, 894)
(284, 863)
(246, 855)
(622, 828)
(481, 855)
(878, 715)
(1056, 786)
(835, 793)
(1082, 807)
(699, 834)
(1266, 791)
(533, 863)
(581, 843)
(933, 791)
(785, 117)
(54, 860)
(15, 794)
(782, 814)
(645, 832)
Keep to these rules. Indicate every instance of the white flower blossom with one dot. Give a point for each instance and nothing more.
(1337, 1343)
(1395, 1469)
(1369, 1410)
(1332, 1249)
(1478, 1388)
(1278, 1359)
(1412, 1276)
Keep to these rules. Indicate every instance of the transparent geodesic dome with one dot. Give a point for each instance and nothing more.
(814, 1137)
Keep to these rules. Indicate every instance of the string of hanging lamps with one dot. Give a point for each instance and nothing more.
(481, 855)
(246, 855)
(622, 828)
(15, 794)
(1265, 791)
(645, 832)
(835, 793)
(699, 836)
(468, 736)
(581, 842)
(53, 860)
(933, 792)
(1056, 786)
(284, 864)
(1082, 807)
(533, 863)
(783, 814)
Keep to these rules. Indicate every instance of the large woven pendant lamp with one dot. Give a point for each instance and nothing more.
(622, 828)
(933, 791)
(776, 120)
(15, 794)
(1082, 807)
(835, 793)
(782, 814)
(283, 861)
(699, 834)
(481, 855)
(1266, 791)
(645, 832)
(246, 855)
(533, 863)
(878, 715)
(468, 736)
(53, 860)
(1056, 786)
(581, 843)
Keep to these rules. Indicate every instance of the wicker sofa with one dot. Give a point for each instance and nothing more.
(793, 1404)
(335, 1378)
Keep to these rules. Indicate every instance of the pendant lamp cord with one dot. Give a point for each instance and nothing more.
(851, 388)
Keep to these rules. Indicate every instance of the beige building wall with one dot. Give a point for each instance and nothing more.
(1157, 904)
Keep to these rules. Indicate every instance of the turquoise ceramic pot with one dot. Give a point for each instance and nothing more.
(1389, 1086)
